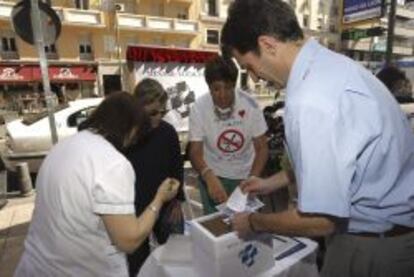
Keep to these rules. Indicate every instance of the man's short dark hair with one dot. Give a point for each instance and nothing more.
(397, 83)
(115, 118)
(220, 69)
(389, 75)
(249, 19)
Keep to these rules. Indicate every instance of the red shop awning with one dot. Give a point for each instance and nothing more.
(68, 73)
(31, 73)
(167, 55)
(16, 73)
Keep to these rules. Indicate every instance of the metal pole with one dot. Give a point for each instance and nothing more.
(118, 47)
(40, 43)
(390, 32)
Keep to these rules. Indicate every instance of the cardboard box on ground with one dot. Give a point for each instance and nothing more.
(219, 252)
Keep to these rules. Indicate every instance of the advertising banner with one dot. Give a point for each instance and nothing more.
(181, 73)
(359, 10)
(183, 83)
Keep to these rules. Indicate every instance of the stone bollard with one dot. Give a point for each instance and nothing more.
(3, 188)
(25, 181)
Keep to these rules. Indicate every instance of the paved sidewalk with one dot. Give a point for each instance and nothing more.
(14, 222)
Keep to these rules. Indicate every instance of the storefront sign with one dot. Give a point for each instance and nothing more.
(32, 73)
(359, 10)
(68, 73)
(65, 73)
(10, 74)
(180, 71)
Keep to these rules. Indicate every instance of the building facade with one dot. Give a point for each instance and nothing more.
(88, 59)
(370, 51)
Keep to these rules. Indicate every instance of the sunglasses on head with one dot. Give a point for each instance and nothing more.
(157, 112)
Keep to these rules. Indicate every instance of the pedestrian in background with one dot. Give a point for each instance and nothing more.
(397, 83)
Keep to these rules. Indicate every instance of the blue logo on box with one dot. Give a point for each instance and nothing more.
(248, 254)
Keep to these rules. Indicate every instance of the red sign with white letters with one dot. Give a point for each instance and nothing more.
(32, 73)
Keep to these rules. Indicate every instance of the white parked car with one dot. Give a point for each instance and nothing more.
(29, 140)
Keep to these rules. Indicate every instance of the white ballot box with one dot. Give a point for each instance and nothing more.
(217, 251)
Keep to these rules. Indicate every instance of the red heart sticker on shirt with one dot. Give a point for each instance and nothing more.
(241, 113)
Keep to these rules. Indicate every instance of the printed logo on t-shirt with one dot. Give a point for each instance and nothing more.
(230, 141)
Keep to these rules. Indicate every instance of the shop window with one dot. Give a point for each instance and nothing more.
(213, 36)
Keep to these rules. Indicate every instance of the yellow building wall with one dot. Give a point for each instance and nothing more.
(68, 42)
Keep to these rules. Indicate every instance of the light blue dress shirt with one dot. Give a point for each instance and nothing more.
(350, 144)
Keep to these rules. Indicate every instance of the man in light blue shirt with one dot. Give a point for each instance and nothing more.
(350, 145)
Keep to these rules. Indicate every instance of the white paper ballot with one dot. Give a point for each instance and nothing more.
(239, 202)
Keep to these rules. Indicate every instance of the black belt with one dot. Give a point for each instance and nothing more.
(397, 230)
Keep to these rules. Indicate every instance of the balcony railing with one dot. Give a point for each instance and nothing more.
(161, 24)
(68, 16)
(368, 45)
(404, 12)
(401, 29)
(52, 56)
(210, 18)
(86, 56)
(8, 55)
(404, 30)
(93, 18)
(179, 1)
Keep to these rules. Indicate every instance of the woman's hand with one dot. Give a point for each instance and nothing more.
(168, 190)
(215, 189)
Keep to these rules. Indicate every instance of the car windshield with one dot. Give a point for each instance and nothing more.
(30, 119)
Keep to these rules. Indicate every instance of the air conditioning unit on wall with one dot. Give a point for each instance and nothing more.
(119, 7)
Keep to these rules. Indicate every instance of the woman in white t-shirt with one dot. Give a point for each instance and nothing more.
(84, 218)
(227, 135)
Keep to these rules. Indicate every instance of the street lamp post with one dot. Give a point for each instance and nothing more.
(390, 32)
(118, 45)
(40, 43)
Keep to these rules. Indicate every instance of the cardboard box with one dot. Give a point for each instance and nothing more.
(219, 252)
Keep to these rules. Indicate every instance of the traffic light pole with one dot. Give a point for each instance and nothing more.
(390, 32)
(40, 44)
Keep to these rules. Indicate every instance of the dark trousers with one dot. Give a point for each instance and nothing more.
(356, 256)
